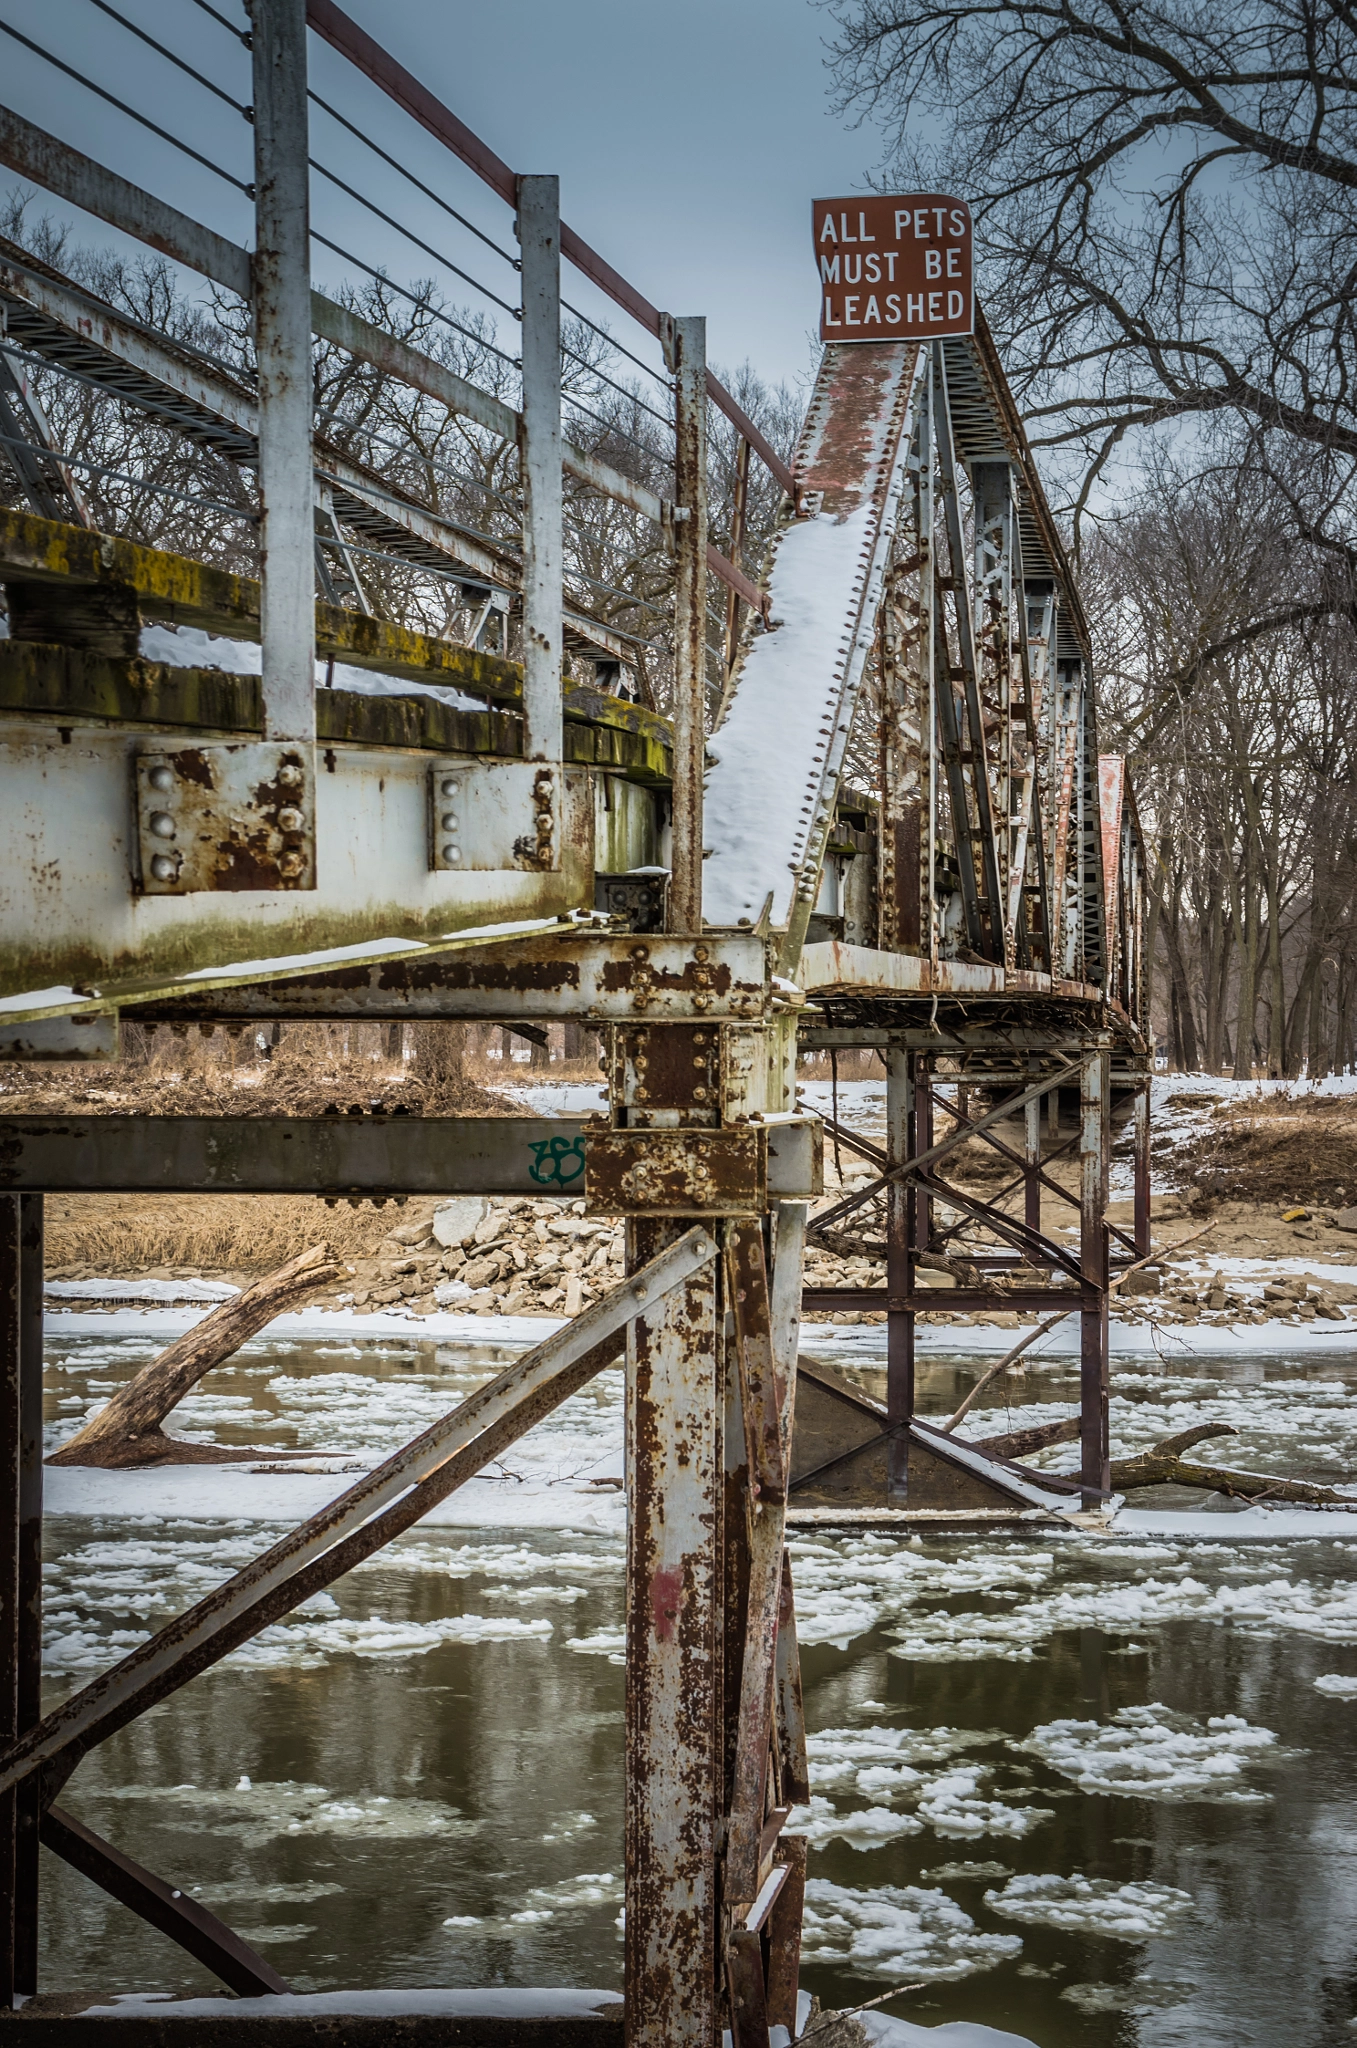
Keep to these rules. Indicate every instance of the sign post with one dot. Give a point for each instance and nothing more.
(894, 267)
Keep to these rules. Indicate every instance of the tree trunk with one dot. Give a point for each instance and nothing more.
(128, 1431)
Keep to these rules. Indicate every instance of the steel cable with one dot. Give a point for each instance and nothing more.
(60, 64)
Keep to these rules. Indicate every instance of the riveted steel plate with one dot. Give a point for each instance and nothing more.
(216, 817)
(676, 1173)
(492, 816)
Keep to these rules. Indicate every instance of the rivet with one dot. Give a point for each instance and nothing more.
(163, 868)
(161, 777)
(452, 854)
(449, 821)
(162, 824)
(448, 787)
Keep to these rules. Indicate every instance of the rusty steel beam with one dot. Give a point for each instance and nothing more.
(960, 1300)
(175, 1912)
(149, 1672)
(694, 1172)
(674, 1466)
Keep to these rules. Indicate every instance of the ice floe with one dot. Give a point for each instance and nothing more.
(1091, 1905)
(1151, 1753)
(267, 1810)
(898, 1932)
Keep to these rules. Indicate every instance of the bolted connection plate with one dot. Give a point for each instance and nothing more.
(226, 817)
(493, 816)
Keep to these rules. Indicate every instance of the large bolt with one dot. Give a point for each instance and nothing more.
(291, 819)
(290, 775)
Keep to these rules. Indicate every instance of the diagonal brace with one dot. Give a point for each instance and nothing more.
(376, 1508)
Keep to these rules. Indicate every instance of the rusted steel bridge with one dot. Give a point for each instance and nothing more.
(214, 845)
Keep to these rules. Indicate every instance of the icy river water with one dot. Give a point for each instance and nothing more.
(1094, 1790)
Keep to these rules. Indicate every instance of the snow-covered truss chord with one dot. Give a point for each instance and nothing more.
(778, 758)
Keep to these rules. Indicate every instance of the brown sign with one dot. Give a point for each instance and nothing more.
(894, 269)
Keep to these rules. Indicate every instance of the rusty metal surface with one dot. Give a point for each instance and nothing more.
(784, 1936)
(674, 1464)
(668, 1075)
(565, 973)
(226, 818)
(675, 1173)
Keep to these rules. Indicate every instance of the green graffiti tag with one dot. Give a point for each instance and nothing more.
(557, 1162)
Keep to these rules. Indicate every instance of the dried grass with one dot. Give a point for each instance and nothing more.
(124, 1234)
(1289, 1148)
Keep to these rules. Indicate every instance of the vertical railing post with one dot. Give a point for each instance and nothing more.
(901, 1141)
(1094, 1119)
(282, 336)
(11, 1344)
(675, 1478)
(686, 351)
(539, 241)
(28, 1638)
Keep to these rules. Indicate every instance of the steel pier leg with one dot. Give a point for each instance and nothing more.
(28, 1688)
(1142, 1171)
(673, 1766)
(1031, 1185)
(1094, 1109)
(11, 1328)
(900, 1142)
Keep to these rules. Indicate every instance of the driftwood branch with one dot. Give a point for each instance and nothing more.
(1024, 1443)
(128, 1431)
(1163, 1465)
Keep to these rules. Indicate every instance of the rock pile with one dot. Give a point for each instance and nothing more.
(478, 1257)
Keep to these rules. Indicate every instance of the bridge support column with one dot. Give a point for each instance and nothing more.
(1095, 1119)
(675, 1403)
(903, 1072)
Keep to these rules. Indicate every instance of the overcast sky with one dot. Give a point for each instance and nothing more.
(689, 140)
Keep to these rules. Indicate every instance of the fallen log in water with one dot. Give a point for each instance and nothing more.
(1164, 1465)
(128, 1431)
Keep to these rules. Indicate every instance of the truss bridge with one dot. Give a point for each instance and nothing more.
(838, 788)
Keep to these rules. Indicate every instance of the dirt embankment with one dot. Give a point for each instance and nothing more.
(1283, 1149)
